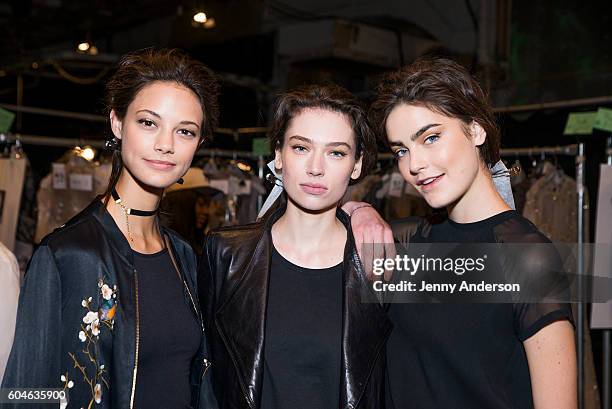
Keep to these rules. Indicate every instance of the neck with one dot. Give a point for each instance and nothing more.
(134, 195)
(310, 239)
(480, 202)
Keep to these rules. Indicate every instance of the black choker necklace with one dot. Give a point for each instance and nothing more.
(130, 211)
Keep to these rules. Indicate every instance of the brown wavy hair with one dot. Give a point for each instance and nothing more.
(143, 67)
(442, 86)
(330, 97)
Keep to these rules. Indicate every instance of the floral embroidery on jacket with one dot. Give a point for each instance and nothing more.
(93, 323)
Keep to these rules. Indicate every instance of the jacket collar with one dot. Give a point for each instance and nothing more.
(366, 326)
(111, 230)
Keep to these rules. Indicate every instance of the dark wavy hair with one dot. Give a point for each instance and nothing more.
(140, 68)
(330, 97)
(442, 86)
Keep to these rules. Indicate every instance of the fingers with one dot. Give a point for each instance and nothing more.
(390, 251)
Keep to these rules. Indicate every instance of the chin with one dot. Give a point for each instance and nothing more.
(314, 205)
(438, 202)
(158, 181)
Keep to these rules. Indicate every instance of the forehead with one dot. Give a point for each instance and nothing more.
(167, 97)
(321, 126)
(413, 117)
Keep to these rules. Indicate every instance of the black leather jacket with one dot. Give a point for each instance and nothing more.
(77, 321)
(233, 284)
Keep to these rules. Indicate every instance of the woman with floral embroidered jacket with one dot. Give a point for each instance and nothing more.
(109, 309)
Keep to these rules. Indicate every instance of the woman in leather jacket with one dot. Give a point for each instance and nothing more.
(283, 296)
(109, 310)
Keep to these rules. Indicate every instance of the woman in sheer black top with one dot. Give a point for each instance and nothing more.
(437, 122)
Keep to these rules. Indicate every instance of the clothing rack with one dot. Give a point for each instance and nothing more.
(576, 150)
(99, 144)
(569, 150)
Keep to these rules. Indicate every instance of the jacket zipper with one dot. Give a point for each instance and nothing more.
(137, 341)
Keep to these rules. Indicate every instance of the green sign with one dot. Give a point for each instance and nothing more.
(6, 120)
(603, 119)
(261, 146)
(580, 123)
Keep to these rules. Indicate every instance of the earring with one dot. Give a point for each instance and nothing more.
(180, 181)
(112, 144)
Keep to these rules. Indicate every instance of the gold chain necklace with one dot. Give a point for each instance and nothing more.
(129, 211)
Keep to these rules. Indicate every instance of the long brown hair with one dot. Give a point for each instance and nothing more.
(143, 67)
(442, 86)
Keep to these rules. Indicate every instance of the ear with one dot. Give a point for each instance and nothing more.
(116, 124)
(278, 162)
(479, 135)
(357, 168)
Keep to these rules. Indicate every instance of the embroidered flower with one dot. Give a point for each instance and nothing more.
(90, 317)
(95, 328)
(67, 384)
(107, 292)
(98, 393)
(99, 314)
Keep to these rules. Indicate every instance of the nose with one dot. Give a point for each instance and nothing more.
(315, 165)
(417, 161)
(164, 143)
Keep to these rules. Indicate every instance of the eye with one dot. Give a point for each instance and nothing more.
(400, 153)
(431, 139)
(299, 148)
(337, 154)
(186, 132)
(147, 123)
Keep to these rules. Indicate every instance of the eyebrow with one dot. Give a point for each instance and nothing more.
(415, 136)
(331, 144)
(155, 114)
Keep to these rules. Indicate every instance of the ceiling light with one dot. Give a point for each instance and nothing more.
(83, 47)
(200, 17)
(88, 153)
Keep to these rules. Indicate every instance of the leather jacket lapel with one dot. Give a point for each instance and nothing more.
(245, 340)
(366, 326)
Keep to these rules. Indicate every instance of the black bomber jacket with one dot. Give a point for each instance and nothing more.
(77, 321)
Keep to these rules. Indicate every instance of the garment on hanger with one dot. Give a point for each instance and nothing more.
(551, 203)
(73, 183)
(242, 190)
(12, 176)
(602, 312)
(10, 277)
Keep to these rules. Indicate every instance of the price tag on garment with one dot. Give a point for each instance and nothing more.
(580, 123)
(220, 184)
(82, 182)
(59, 176)
(603, 119)
(261, 146)
(396, 185)
(6, 120)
